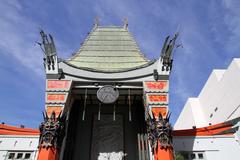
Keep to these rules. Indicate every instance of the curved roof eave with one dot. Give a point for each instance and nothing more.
(73, 72)
(111, 71)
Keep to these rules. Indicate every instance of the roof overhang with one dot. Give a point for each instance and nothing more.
(145, 73)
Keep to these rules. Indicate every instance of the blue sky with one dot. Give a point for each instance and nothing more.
(210, 34)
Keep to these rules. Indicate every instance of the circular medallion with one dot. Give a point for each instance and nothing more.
(107, 94)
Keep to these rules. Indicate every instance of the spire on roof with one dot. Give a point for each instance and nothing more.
(167, 50)
(96, 22)
(125, 23)
(49, 49)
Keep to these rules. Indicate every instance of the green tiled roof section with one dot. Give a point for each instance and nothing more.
(109, 49)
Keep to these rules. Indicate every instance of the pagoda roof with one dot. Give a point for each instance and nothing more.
(109, 49)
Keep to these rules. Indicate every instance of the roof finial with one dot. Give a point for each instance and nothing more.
(96, 22)
(166, 53)
(125, 23)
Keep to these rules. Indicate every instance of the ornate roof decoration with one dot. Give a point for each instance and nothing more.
(109, 49)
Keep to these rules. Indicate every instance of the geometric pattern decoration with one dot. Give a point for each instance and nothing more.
(57, 91)
(57, 109)
(56, 97)
(156, 110)
(156, 86)
(58, 85)
(156, 98)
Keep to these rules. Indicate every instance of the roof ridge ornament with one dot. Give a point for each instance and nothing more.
(50, 54)
(166, 52)
(125, 23)
(96, 22)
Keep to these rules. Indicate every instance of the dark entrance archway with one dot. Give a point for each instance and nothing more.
(101, 134)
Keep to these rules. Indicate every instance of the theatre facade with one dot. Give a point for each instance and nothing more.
(108, 101)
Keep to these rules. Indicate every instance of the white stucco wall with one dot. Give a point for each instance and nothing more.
(214, 147)
(186, 112)
(192, 111)
(18, 144)
(222, 94)
(218, 101)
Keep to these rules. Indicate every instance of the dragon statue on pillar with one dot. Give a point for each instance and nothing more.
(159, 132)
(52, 130)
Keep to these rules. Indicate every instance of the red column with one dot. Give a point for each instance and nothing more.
(163, 153)
(50, 153)
(51, 134)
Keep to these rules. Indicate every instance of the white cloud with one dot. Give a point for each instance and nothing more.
(18, 36)
(232, 21)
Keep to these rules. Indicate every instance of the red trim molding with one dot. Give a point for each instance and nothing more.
(11, 130)
(225, 128)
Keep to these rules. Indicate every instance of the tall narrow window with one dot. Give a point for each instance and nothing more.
(11, 155)
(19, 155)
(200, 155)
(27, 156)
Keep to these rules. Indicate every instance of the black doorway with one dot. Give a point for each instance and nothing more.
(91, 138)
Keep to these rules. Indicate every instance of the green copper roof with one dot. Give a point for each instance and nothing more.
(109, 49)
